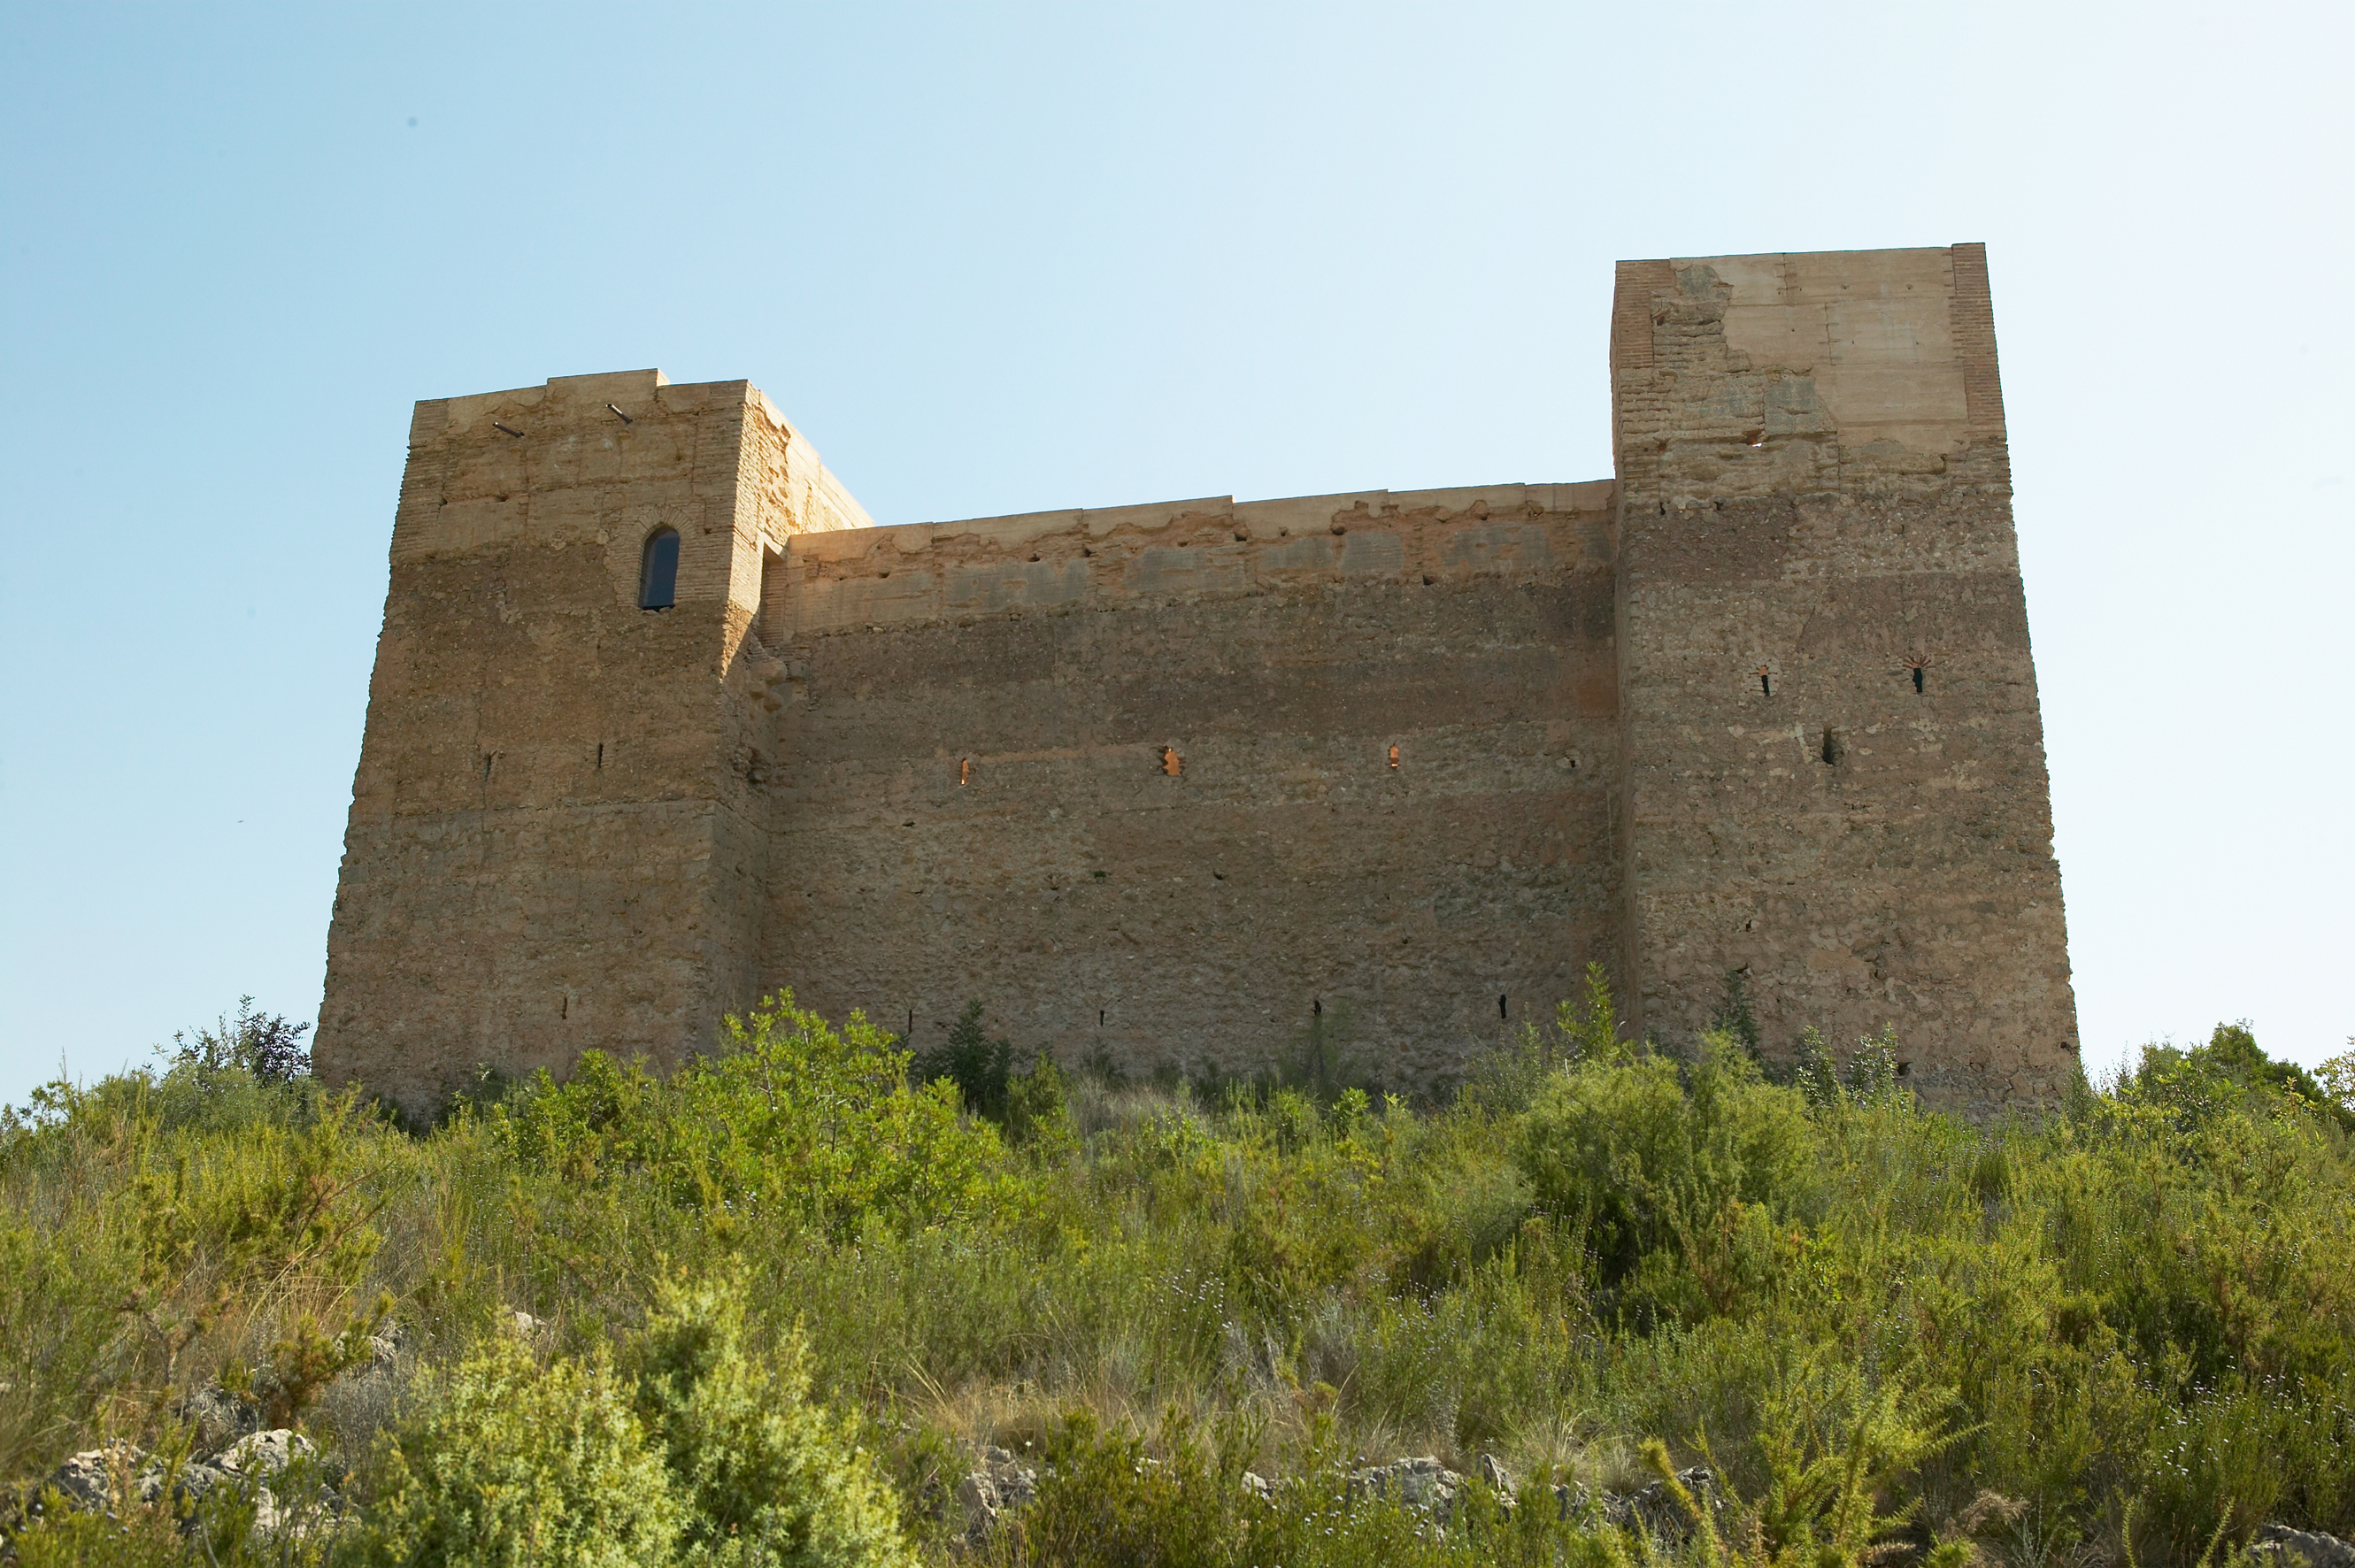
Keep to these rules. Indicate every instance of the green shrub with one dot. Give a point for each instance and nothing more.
(767, 1479)
(794, 1121)
(508, 1464)
(1674, 1173)
(2141, 1308)
(1105, 1502)
(977, 1065)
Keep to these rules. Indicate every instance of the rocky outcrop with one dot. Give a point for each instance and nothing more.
(998, 1483)
(1424, 1484)
(102, 1479)
(2279, 1546)
(1654, 1511)
(1650, 1510)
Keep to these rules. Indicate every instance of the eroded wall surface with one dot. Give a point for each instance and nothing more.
(1339, 784)
(550, 846)
(1211, 786)
(1835, 764)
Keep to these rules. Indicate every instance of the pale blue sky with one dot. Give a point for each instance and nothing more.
(997, 260)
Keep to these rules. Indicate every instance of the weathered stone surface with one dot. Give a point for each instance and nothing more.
(997, 1483)
(1345, 782)
(101, 1479)
(1655, 1511)
(1422, 1484)
(1835, 774)
(2278, 1544)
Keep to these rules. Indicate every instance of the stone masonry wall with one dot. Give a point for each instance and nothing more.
(1814, 510)
(1211, 786)
(1342, 782)
(548, 847)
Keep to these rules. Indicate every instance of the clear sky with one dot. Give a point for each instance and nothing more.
(1005, 259)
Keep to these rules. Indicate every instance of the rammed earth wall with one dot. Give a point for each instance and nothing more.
(1222, 786)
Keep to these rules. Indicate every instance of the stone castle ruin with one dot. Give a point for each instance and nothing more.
(662, 721)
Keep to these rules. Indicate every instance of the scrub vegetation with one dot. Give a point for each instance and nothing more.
(777, 1301)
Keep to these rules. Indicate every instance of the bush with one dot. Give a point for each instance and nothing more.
(2135, 1318)
(514, 1465)
(1673, 1173)
(691, 1453)
(767, 1479)
(1105, 1502)
(794, 1122)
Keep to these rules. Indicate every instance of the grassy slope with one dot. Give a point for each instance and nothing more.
(2142, 1310)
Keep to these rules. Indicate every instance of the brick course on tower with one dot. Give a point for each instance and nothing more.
(1216, 786)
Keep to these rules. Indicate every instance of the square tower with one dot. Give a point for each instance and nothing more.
(553, 843)
(1833, 765)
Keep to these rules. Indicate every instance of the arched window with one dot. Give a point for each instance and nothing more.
(659, 571)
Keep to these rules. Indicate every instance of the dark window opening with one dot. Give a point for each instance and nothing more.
(601, 754)
(659, 571)
(1500, 1006)
(1765, 682)
(1917, 680)
(1833, 750)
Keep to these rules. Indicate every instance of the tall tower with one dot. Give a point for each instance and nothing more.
(552, 843)
(661, 719)
(1833, 766)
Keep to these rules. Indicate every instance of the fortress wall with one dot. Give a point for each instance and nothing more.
(550, 843)
(1815, 488)
(972, 799)
(1126, 775)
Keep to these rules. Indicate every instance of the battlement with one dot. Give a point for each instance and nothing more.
(1344, 783)
(1214, 547)
(631, 437)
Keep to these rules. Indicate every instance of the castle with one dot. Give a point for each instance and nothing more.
(661, 720)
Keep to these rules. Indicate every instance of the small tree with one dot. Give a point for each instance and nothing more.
(263, 1044)
(978, 1065)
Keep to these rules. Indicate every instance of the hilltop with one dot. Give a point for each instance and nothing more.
(811, 1299)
